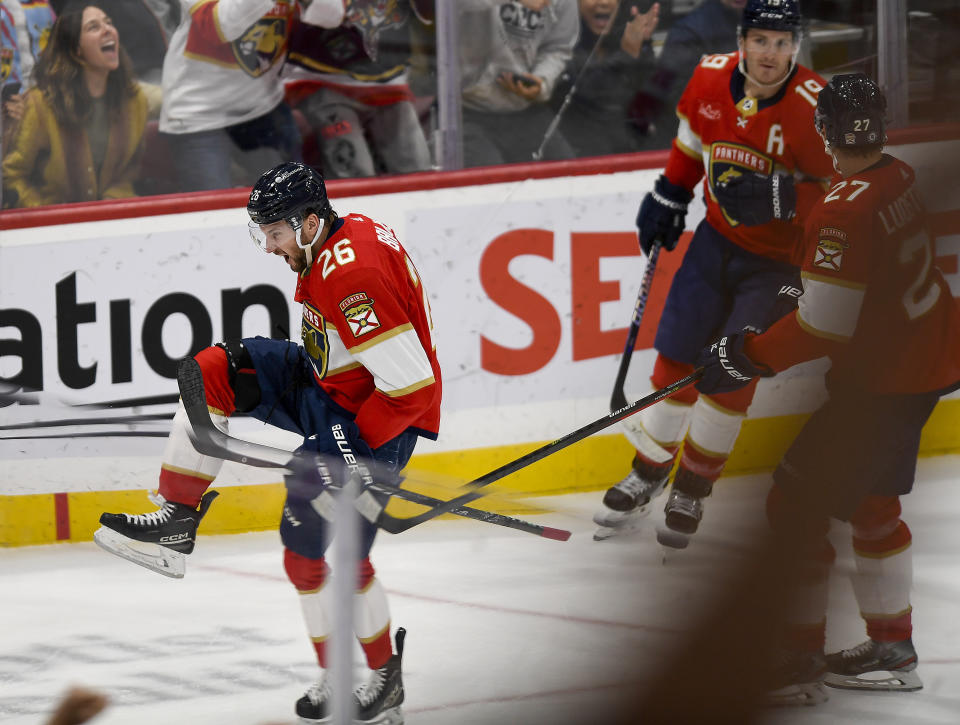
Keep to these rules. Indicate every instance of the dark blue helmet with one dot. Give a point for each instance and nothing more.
(288, 192)
(851, 112)
(781, 15)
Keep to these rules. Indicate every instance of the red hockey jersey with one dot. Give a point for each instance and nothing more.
(368, 331)
(873, 300)
(724, 133)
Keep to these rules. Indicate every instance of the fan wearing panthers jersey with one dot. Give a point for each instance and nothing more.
(365, 382)
(746, 130)
(877, 306)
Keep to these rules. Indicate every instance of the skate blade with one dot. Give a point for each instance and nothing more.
(391, 716)
(880, 680)
(609, 519)
(800, 694)
(627, 527)
(150, 556)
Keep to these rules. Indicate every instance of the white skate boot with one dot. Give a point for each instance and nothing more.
(627, 504)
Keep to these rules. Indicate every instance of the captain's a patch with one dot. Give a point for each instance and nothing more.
(359, 313)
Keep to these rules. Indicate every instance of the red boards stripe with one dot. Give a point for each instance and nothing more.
(62, 516)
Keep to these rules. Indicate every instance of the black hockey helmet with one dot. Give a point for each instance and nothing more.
(851, 112)
(289, 192)
(783, 15)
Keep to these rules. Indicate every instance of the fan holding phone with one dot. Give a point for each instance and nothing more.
(511, 55)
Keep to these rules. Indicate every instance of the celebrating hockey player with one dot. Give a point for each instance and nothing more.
(366, 377)
(874, 302)
(746, 123)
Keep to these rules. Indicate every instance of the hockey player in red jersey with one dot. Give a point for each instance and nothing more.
(746, 124)
(366, 377)
(874, 302)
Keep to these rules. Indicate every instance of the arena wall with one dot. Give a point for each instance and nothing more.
(532, 272)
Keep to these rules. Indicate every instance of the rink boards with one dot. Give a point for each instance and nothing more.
(531, 283)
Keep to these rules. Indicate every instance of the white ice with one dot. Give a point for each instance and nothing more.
(503, 627)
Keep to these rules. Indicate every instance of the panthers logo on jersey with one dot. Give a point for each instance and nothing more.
(313, 332)
(263, 45)
(372, 17)
(729, 160)
(6, 63)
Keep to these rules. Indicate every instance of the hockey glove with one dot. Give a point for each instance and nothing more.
(754, 199)
(326, 460)
(726, 367)
(662, 214)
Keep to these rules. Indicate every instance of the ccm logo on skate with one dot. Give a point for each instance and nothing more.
(175, 537)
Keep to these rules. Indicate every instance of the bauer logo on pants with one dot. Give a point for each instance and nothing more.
(358, 309)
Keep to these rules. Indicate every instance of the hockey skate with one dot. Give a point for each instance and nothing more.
(314, 706)
(874, 665)
(627, 504)
(682, 515)
(159, 540)
(797, 679)
(378, 700)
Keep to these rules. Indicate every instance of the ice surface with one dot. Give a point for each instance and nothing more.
(503, 627)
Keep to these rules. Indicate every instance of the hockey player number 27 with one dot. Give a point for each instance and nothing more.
(922, 294)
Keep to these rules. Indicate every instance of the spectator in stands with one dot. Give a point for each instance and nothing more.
(611, 61)
(25, 30)
(33, 20)
(511, 54)
(81, 134)
(11, 102)
(350, 83)
(710, 28)
(223, 111)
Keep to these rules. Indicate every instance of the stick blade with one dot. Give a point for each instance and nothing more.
(556, 534)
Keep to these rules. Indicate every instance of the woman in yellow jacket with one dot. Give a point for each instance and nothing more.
(81, 135)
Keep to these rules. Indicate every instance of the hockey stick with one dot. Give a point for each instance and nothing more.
(211, 441)
(618, 399)
(396, 525)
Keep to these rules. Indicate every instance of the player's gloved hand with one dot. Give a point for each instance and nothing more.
(754, 199)
(662, 214)
(787, 301)
(325, 460)
(726, 366)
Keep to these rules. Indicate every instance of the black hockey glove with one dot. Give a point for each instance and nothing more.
(754, 199)
(726, 367)
(661, 216)
(326, 460)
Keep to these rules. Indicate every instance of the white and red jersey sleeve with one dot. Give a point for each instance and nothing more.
(873, 300)
(724, 133)
(367, 328)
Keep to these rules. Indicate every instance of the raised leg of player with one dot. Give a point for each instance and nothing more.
(160, 539)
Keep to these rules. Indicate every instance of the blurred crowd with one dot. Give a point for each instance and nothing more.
(120, 98)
